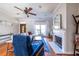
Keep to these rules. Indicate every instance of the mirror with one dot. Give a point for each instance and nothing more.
(57, 22)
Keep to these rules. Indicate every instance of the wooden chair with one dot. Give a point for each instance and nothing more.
(76, 45)
(9, 50)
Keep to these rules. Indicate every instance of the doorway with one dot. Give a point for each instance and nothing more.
(22, 28)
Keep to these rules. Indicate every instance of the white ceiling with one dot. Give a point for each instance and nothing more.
(42, 13)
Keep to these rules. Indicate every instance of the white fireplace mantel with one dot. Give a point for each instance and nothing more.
(62, 34)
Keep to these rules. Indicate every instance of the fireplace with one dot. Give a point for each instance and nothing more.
(58, 41)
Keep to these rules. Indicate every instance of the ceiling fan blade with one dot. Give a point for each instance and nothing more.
(32, 14)
(25, 11)
(18, 8)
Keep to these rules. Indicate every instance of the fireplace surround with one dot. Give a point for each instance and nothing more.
(59, 41)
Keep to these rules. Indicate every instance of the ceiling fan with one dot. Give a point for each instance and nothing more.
(27, 11)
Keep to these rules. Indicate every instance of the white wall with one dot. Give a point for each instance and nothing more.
(68, 24)
(71, 9)
(6, 28)
(30, 26)
(15, 28)
(50, 25)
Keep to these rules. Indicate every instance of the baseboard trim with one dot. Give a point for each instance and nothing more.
(65, 54)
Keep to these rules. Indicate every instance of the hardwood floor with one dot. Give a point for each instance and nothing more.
(3, 49)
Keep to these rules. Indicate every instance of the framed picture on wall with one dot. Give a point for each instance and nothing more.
(57, 22)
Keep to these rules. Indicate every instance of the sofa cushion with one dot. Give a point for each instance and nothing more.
(37, 45)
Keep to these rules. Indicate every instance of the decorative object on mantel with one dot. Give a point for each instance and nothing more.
(77, 23)
(57, 22)
(50, 37)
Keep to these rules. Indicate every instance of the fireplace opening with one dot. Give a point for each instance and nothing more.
(58, 41)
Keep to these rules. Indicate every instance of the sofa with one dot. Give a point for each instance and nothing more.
(24, 46)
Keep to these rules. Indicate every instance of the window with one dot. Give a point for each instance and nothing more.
(40, 29)
(37, 29)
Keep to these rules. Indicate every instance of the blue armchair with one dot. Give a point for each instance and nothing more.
(20, 46)
(23, 46)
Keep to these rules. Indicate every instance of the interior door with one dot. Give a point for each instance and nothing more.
(22, 28)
